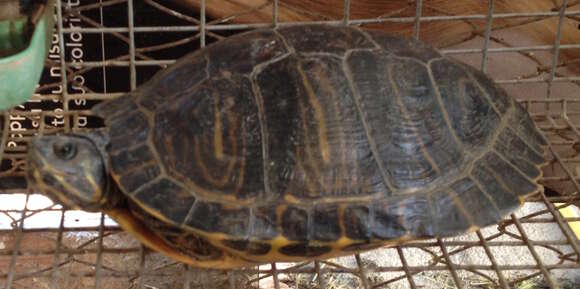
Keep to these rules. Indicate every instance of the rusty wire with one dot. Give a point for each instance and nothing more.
(96, 259)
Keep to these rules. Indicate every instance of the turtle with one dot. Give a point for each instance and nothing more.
(295, 143)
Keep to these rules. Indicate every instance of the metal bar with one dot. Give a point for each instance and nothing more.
(452, 267)
(528, 277)
(232, 279)
(103, 53)
(261, 276)
(173, 13)
(275, 13)
(274, 273)
(565, 229)
(202, 24)
(140, 284)
(117, 35)
(70, 251)
(187, 281)
(362, 272)
(168, 62)
(98, 270)
(335, 22)
(406, 267)
(565, 168)
(100, 4)
(132, 273)
(63, 71)
(556, 47)
(537, 80)
(16, 247)
(392, 280)
(487, 34)
(88, 96)
(485, 246)
(346, 17)
(547, 275)
(111, 62)
(417, 22)
(549, 220)
(569, 123)
(132, 69)
(509, 49)
(56, 262)
(320, 275)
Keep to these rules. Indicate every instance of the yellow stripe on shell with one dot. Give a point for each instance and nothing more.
(318, 114)
(217, 132)
(206, 173)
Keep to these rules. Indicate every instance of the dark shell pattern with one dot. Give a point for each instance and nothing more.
(302, 141)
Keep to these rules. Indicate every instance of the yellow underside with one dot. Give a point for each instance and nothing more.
(129, 223)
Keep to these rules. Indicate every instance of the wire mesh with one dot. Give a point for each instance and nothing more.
(102, 49)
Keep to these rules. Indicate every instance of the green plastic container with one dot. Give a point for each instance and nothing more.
(22, 56)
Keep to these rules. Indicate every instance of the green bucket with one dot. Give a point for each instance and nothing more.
(22, 55)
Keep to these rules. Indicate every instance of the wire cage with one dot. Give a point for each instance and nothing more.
(102, 49)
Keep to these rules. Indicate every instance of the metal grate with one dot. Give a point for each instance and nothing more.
(110, 47)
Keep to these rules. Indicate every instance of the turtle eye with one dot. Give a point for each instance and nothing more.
(65, 151)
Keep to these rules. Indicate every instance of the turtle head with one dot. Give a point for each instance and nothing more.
(71, 169)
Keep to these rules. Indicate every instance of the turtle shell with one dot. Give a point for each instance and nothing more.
(314, 140)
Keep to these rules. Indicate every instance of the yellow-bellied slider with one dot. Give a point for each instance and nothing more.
(296, 143)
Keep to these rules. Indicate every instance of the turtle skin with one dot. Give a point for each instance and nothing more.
(312, 141)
